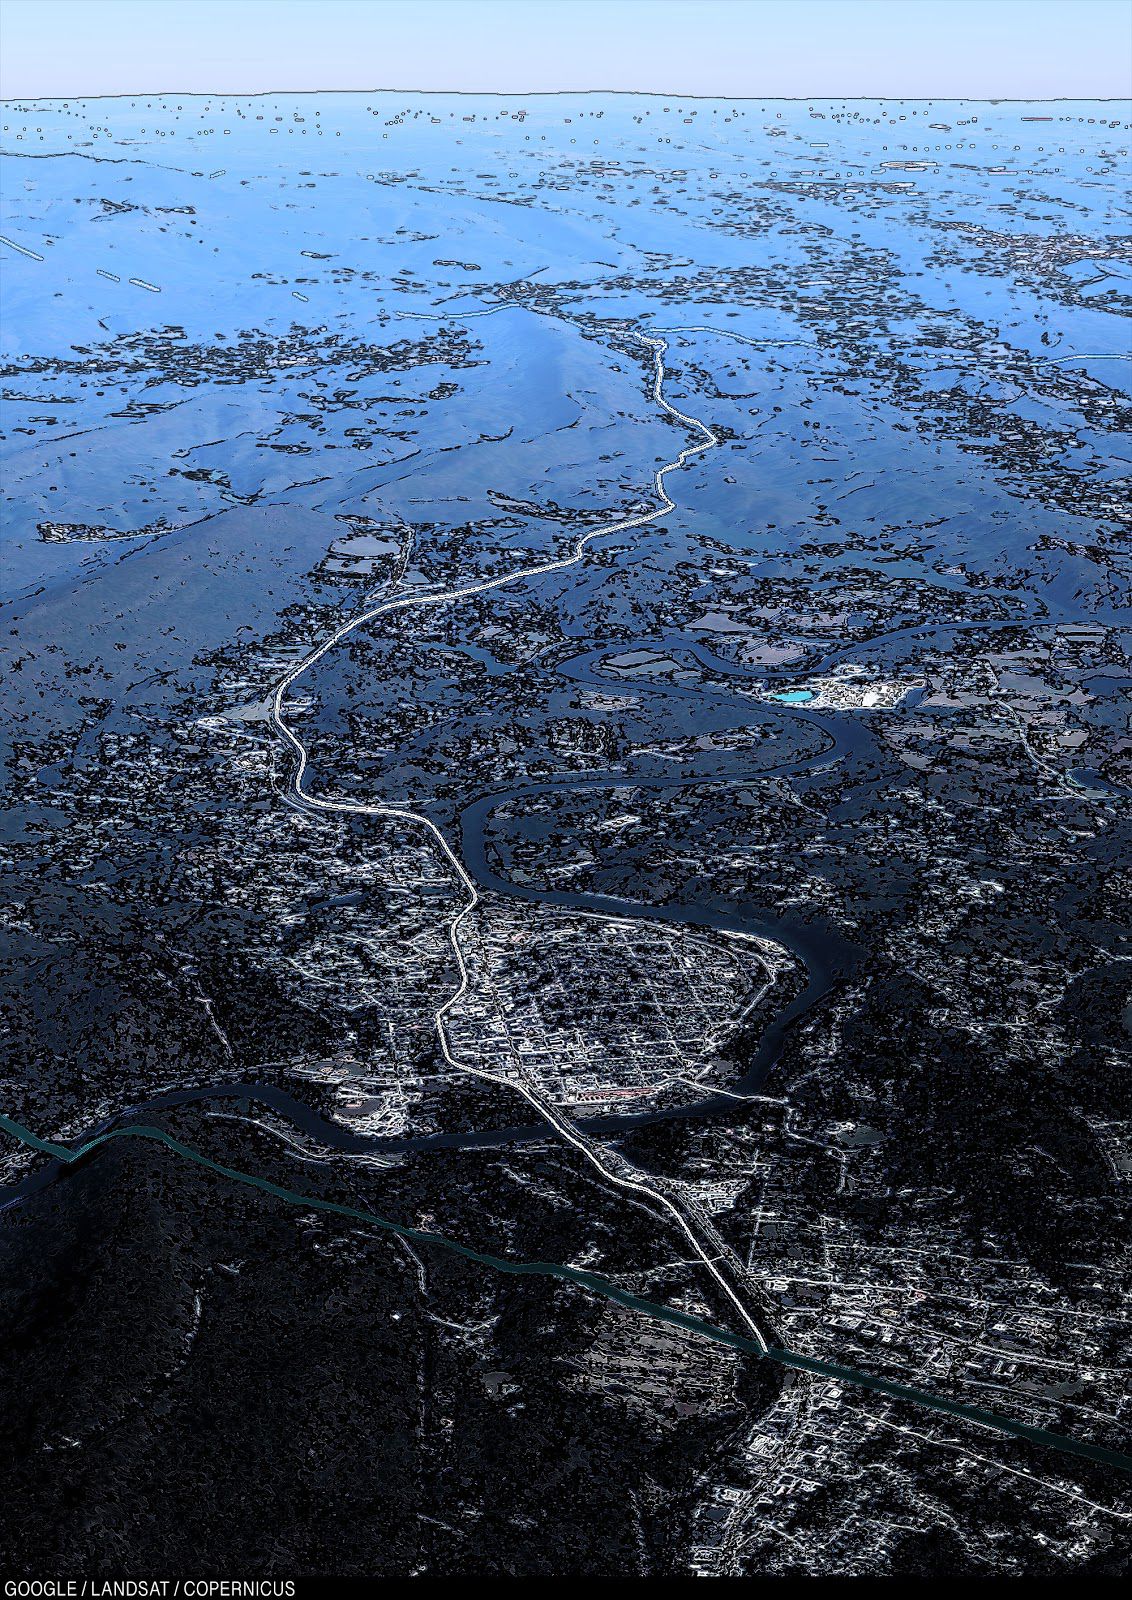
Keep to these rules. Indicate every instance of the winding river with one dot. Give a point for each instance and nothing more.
(823, 955)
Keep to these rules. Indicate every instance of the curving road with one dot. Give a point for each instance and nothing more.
(613, 1168)
(62, 1156)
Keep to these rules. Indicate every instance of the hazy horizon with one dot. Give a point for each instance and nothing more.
(723, 49)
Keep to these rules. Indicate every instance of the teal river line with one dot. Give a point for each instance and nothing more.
(596, 1285)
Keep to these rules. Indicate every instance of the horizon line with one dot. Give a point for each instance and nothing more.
(532, 94)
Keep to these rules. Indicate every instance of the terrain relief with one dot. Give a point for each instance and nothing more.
(566, 962)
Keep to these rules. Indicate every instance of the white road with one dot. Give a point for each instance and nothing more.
(596, 1155)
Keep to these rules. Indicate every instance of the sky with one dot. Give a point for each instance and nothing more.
(978, 49)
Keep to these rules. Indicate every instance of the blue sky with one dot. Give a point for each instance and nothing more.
(827, 48)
